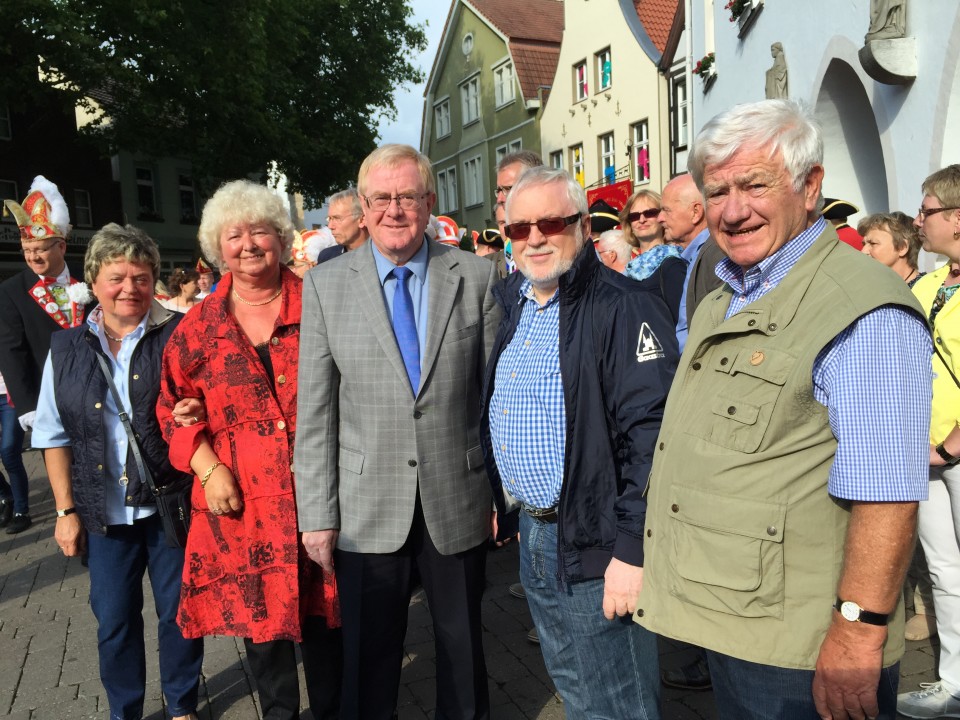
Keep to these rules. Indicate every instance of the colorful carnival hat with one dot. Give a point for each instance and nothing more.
(202, 267)
(491, 237)
(43, 213)
(445, 230)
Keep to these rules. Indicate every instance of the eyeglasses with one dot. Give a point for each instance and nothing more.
(380, 203)
(30, 252)
(649, 214)
(547, 226)
(341, 218)
(924, 213)
(505, 189)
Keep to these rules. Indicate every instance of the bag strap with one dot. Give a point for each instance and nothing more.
(125, 419)
(946, 364)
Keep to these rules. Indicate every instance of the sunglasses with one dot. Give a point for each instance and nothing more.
(649, 214)
(547, 226)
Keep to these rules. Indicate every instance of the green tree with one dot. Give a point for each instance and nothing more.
(230, 86)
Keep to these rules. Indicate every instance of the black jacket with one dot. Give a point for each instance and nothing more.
(618, 353)
(81, 391)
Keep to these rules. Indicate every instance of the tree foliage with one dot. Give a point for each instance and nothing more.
(231, 86)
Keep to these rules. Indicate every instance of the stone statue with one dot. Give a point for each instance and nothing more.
(888, 19)
(777, 75)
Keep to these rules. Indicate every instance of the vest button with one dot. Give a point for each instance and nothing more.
(412, 463)
(99, 467)
(640, 612)
(675, 507)
(98, 406)
(731, 410)
(696, 366)
(136, 377)
(771, 530)
(129, 498)
(661, 446)
(649, 533)
(939, 341)
(724, 361)
(751, 323)
(772, 327)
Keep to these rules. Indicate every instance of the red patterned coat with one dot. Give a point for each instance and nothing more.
(245, 574)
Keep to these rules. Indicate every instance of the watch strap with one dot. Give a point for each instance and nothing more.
(66, 511)
(865, 616)
(947, 457)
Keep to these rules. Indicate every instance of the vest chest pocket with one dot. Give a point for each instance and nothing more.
(729, 552)
(747, 384)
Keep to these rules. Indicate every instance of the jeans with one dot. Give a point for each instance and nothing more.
(11, 452)
(603, 669)
(746, 690)
(117, 563)
(939, 528)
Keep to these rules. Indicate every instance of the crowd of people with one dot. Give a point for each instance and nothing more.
(716, 422)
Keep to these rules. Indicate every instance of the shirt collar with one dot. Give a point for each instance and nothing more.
(774, 268)
(418, 263)
(526, 293)
(689, 253)
(95, 323)
(63, 278)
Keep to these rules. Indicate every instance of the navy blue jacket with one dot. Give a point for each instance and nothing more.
(618, 354)
(81, 391)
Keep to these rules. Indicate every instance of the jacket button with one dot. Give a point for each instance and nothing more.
(281, 379)
(417, 414)
(661, 446)
(675, 507)
(724, 361)
(772, 327)
(281, 425)
(696, 366)
(731, 410)
(751, 323)
(136, 377)
(412, 463)
(274, 341)
(771, 530)
(98, 406)
(649, 533)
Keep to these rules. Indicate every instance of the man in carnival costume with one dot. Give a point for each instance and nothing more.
(206, 280)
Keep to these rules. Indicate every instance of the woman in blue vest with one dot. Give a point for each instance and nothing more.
(104, 506)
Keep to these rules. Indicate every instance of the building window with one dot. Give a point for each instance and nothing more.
(8, 191)
(580, 81)
(146, 195)
(188, 199)
(604, 70)
(6, 128)
(681, 122)
(576, 163)
(473, 182)
(441, 114)
(608, 163)
(640, 151)
(556, 159)
(511, 147)
(81, 206)
(447, 190)
(503, 84)
(470, 100)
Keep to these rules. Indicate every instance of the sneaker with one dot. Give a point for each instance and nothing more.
(534, 637)
(19, 523)
(517, 591)
(6, 511)
(931, 701)
(920, 627)
(692, 676)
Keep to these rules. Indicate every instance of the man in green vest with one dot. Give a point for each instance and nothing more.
(794, 448)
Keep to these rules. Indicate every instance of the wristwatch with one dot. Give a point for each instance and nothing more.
(66, 511)
(945, 454)
(854, 613)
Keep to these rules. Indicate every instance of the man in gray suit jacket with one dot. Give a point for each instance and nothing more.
(390, 475)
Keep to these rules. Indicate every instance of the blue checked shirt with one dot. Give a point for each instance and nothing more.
(527, 417)
(879, 411)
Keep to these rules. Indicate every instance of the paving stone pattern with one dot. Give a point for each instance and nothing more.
(48, 647)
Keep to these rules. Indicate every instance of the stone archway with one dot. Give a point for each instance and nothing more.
(853, 157)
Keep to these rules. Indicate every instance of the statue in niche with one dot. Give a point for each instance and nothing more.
(888, 19)
(776, 86)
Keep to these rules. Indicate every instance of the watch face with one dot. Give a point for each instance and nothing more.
(850, 611)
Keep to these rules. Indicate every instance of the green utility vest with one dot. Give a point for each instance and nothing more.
(744, 546)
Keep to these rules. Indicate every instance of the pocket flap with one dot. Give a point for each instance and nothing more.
(475, 458)
(351, 460)
(764, 363)
(742, 412)
(758, 519)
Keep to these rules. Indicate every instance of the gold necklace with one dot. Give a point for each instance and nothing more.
(257, 304)
(111, 337)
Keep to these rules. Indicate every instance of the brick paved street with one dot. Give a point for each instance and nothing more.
(48, 654)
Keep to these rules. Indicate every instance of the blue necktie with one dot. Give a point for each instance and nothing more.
(405, 327)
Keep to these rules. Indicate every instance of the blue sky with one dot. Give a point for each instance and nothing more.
(409, 99)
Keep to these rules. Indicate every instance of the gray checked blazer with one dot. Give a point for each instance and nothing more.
(363, 441)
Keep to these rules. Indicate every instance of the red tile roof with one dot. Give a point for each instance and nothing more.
(535, 65)
(524, 19)
(656, 16)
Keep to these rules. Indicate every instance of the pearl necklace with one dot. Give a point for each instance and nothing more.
(258, 304)
(111, 337)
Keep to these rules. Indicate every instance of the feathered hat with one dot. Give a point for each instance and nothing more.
(43, 213)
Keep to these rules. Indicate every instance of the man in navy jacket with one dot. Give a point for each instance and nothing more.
(573, 397)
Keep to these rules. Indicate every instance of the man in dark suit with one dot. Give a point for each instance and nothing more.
(393, 341)
(345, 220)
(34, 304)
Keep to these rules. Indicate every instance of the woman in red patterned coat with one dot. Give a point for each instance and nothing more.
(246, 572)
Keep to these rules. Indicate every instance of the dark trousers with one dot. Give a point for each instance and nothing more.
(11, 452)
(749, 691)
(375, 594)
(274, 666)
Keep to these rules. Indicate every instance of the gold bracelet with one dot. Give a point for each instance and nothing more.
(209, 472)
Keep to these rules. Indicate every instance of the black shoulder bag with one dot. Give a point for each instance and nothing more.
(173, 503)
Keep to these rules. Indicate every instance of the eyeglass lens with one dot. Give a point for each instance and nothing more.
(649, 214)
(546, 226)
